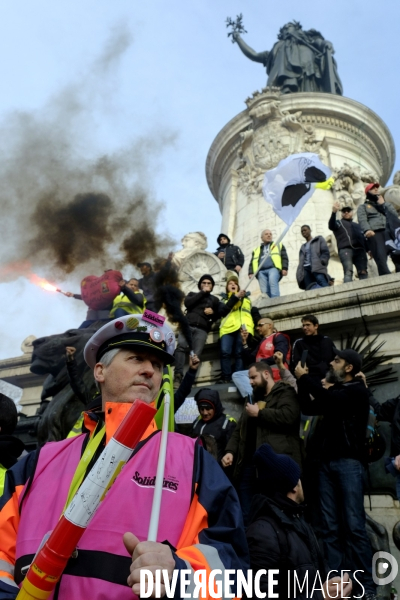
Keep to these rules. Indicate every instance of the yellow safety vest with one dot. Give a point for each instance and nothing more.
(122, 301)
(239, 315)
(275, 254)
(3, 472)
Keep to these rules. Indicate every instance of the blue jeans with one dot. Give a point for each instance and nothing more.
(268, 280)
(231, 344)
(358, 258)
(346, 543)
(318, 278)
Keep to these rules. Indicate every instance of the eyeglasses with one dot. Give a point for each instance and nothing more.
(347, 210)
(261, 324)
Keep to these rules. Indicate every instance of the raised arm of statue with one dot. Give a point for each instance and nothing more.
(260, 57)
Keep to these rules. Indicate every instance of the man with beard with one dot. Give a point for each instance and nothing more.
(344, 407)
(274, 419)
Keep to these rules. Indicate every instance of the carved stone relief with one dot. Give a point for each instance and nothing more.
(392, 192)
(274, 134)
(191, 242)
(350, 184)
(200, 263)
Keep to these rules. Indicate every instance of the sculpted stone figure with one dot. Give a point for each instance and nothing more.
(195, 240)
(300, 61)
(391, 193)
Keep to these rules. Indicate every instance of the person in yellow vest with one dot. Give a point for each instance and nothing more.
(130, 301)
(235, 309)
(273, 269)
(11, 447)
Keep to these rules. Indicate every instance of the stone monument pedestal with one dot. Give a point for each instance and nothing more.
(350, 138)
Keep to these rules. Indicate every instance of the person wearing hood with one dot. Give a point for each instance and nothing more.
(201, 312)
(280, 538)
(11, 447)
(229, 254)
(212, 421)
(372, 217)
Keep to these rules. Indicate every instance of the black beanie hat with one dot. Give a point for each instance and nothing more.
(223, 234)
(277, 471)
(203, 277)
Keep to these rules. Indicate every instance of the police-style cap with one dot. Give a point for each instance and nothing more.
(146, 332)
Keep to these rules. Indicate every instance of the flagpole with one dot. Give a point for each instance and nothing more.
(158, 488)
(278, 241)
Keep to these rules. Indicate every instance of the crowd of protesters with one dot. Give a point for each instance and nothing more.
(276, 476)
(287, 387)
(375, 236)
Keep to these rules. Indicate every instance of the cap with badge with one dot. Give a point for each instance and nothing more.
(146, 332)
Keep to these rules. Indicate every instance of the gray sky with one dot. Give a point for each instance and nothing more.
(101, 76)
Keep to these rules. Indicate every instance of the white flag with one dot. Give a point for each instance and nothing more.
(288, 187)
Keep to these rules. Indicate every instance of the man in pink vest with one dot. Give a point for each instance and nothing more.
(271, 342)
(200, 520)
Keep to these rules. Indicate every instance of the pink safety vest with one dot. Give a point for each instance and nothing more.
(127, 507)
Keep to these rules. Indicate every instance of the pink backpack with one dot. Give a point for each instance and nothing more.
(99, 292)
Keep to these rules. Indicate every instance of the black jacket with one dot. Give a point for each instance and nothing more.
(137, 299)
(320, 354)
(345, 409)
(390, 411)
(277, 424)
(195, 304)
(233, 256)
(348, 234)
(280, 538)
(220, 427)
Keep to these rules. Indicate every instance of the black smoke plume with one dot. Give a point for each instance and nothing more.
(170, 296)
(65, 210)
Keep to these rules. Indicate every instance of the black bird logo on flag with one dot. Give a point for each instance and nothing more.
(293, 193)
(288, 187)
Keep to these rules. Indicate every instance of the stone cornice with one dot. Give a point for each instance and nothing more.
(327, 111)
(379, 299)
